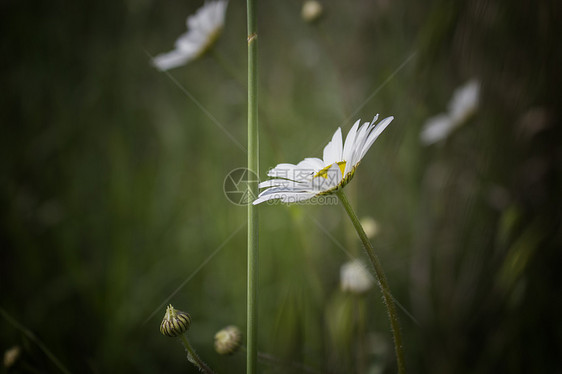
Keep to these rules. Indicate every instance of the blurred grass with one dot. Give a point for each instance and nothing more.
(111, 185)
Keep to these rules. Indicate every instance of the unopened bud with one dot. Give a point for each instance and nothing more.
(175, 322)
(370, 226)
(228, 340)
(311, 10)
(11, 356)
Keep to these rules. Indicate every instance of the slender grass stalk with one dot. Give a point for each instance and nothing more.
(387, 296)
(31, 336)
(227, 67)
(253, 165)
(193, 357)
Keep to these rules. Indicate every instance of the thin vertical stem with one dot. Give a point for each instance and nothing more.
(387, 296)
(253, 166)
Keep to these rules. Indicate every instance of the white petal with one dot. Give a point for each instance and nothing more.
(284, 183)
(262, 199)
(278, 191)
(281, 170)
(188, 43)
(286, 197)
(208, 17)
(170, 60)
(464, 101)
(309, 165)
(296, 197)
(349, 146)
(292, 172)
(316, 162)
(333, 151)
(379, 128)
(360, 139)
(289, 187)
(217, 13)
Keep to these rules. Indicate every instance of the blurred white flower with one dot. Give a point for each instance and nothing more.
(462, 105)
(203, 29)
(370, 226)
(314, 176)
(311, 10)
(355, 278)
(465, 101)
(436, 128)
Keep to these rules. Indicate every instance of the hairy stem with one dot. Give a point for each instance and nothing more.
(383, 284)
(193, 357)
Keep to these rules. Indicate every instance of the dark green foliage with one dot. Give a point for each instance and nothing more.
(111, 186)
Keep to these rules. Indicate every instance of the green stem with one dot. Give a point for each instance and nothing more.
(253, 165)
(387, 296)
(193, 357)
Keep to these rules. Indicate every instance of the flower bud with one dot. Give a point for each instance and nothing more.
(311, 10)
(228, 340)
(11, 356)
(175, 322)
(370, 226)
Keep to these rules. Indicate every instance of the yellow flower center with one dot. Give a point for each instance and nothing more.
(212, 38)
(324, 172)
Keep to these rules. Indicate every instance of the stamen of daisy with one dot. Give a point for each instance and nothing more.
(324, 172)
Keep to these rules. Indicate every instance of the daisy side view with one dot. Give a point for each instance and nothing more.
(314, 177)
(203, 29)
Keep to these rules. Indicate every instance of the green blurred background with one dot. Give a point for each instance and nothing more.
(111, 186)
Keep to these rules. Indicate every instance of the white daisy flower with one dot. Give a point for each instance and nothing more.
(464, 101)
(462, 105)
(314, 176)
(203, 29)
(355, 278)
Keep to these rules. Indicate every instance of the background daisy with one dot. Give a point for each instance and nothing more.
(203, 28)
